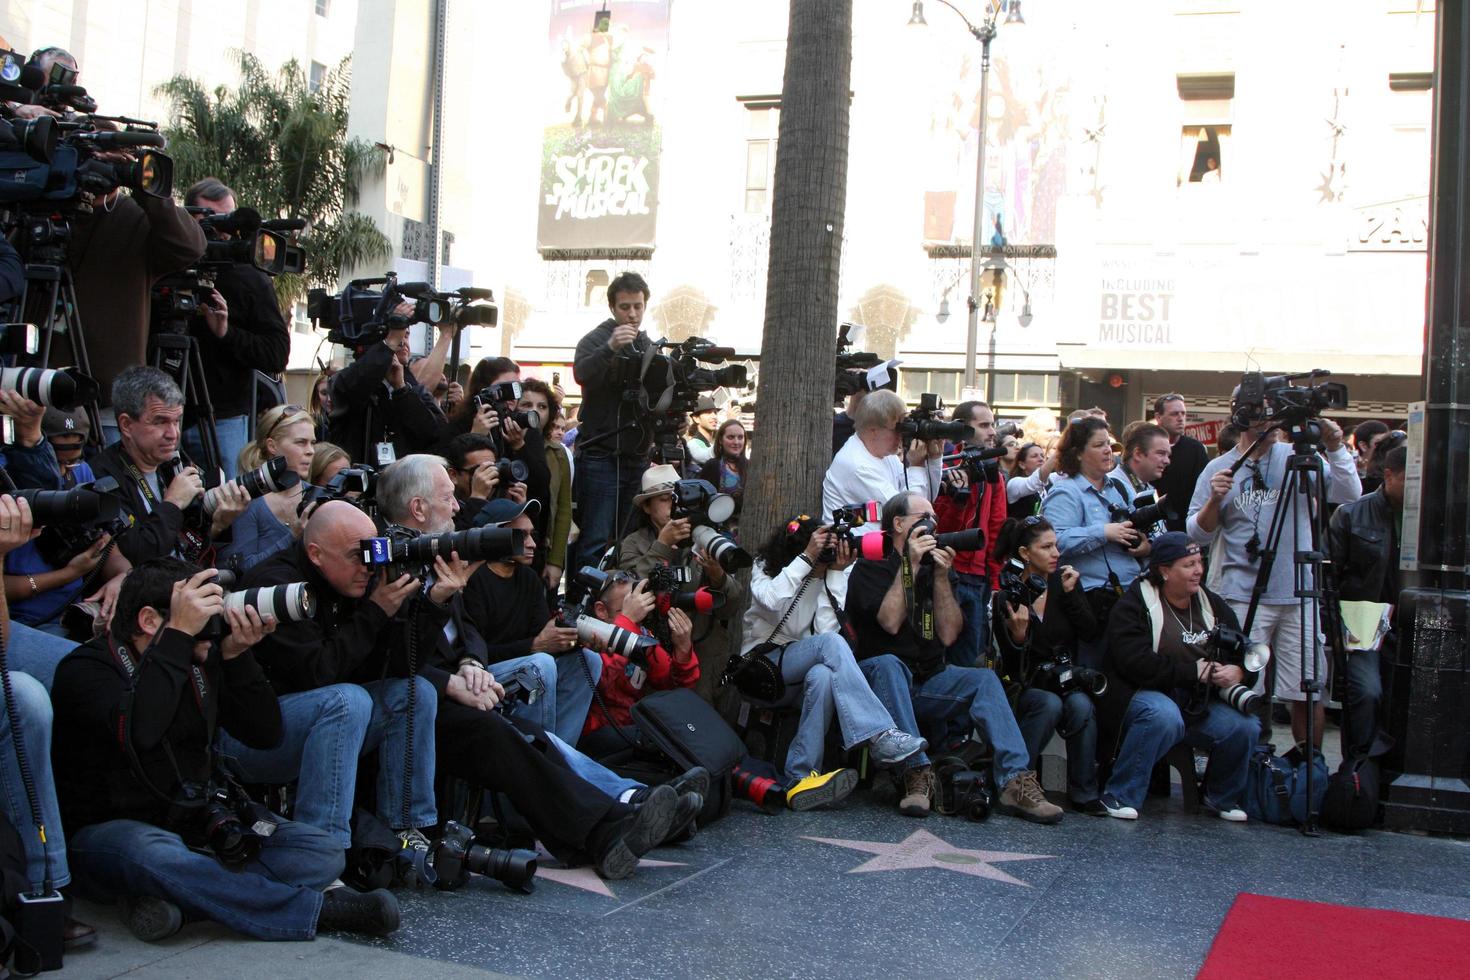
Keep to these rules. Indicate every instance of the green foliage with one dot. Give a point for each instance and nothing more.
(284, 151)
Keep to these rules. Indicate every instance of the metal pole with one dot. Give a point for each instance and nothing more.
(984, 34)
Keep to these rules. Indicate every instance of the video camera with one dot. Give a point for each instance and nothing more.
(978, 463)
(361, 315)
(925, 423)
(1277, 399)
(848, 380)
(665, 379)
(404, 551)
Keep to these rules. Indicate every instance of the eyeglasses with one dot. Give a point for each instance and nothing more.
(1033, 520)
(286, 413)
(614, 578)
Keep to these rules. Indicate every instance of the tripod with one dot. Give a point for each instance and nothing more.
(176, 353)
(1304, 486)
(48, 298)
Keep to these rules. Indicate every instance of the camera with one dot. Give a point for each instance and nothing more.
(1230, 646)
(72, 520)
(501, 393)
(664, 582)
(65, 388)
(1145, 513)
(844, 521)
(354, 484)
(632, 646)
(510, 471)
(1016, 586)
(52, 162)
(979, 463)
(924, 423)
(665, 379)
(1279, 399)
(722, 548)
(361, 315)
(268, 477)
(850, 362)
(968, 539)
(1061, 677)
(218, 817)
(290, 603)
(404, 551)
(962, 791)
(457, 854)
(698, 502)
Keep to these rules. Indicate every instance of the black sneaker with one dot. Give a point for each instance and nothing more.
(694, 780)
(1093, 807)
(685, 821)
(621, 843)
(151, 919)
(373, 913)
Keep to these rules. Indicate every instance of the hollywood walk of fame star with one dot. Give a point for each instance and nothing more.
(922, 849)
(587, 880)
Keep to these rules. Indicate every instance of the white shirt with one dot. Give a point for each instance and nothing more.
(770, 598)
(857, 476)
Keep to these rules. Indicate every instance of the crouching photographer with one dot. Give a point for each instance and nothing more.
(1171, 677)
(795, 623)
(1040, 612)
(153, 818)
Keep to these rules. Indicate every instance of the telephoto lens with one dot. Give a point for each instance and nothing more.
(698, 600)
(510, 471)
(1239, 697)
(64, 389)
(615, 639)
(722, 548)
(476, 544)
(970, 539)
(268, 477)
(283, 603)
(457, 854)
(75, 506)
(527, 420)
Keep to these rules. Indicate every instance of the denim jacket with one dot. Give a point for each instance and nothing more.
(1079, 512)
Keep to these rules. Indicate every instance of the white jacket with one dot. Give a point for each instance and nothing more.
(857, 476)
(770, 598)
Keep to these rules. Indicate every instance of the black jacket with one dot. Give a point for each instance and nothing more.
(1069, 618)
(352, 640)
(1133, 664)
(365, 411)
(151, 534)
(95, 780)
(258, 340)
(12, 272)
(604, 411)
(1187, 460)
(1363, 542)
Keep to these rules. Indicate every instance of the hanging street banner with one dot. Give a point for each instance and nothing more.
(600, 151)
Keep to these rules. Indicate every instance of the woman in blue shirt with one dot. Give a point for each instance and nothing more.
(271, 522)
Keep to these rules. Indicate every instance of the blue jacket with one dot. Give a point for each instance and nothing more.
(1079, 512)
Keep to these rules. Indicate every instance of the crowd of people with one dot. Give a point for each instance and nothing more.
(231, 641)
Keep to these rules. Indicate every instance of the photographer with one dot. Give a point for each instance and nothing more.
(1039, 614)
(554, 522)
(971, 497)
(1087, 507)
(1145, 461)
(378, 413)
(703, 443)
(612, 443)
(657, 540)
(1363, 542)
(1232, 513)
(867, 467)
(161, 514)
(239, 332)
(795, 619)
(904, 612)
(472, 469)
(1155, 668)
(136, 716)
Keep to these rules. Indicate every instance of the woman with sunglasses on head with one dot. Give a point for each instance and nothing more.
(797, 591)
(1038, 614)
(272, 521)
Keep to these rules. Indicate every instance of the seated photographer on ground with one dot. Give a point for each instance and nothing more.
(904, 613)
(347, 640)
(867, 467)
(1039, 613)
(136, 716)
(163, 512)
(273, 520)
(795, 620)
(1088, 506)
(1165, 684)
(660, 540)
(477, 477)
(378, 413)
(568, 799)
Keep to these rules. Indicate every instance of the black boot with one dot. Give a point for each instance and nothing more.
(373, 913)
(619, 841)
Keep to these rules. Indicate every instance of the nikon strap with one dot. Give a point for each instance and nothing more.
(191, 546)
(923, 610)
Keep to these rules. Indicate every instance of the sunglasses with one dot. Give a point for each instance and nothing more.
(287, 412)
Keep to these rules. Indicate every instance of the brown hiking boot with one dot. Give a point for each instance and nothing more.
(1022, 797)
(918, 790)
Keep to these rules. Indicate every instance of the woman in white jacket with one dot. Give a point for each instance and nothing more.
(797, 589)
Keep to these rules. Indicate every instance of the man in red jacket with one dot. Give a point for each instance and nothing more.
(624, 680)
(966, 501)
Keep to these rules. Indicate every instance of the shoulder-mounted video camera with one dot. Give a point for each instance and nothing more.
(361, 315)
(1279, 400)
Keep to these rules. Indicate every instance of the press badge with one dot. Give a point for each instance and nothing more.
(384, 452)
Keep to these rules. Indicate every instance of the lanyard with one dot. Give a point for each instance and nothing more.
(925, 608)
(191, 546)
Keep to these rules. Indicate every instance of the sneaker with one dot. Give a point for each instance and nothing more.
(694, 780)
(1092, 808)
(373, 913)
(821, 789)
(412, 840)
(918, 791)
(686, 818)
(623, 840)
(893, 746)
(1022, 797)
(1115, 809)
(77, 934)
(151, 919)
(1233, 814)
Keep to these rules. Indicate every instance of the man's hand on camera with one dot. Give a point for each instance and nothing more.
(485, 420)
(479, 680)
(918, 454)
(674, 533)
(555, 639)
(681, 632)
(934, 449)
(22, 110)
(623, 334)
(484, 482)
(388, 596)
(233, 499)
(247, 628)
(516, 492)
(714, 572)
(515, 436)
(451, 576)
(184, 488)
(27, 415)
(639, 602)
(1141, 549)
(216, 314)
(15, 523)
(1331, 436)
(551, 575)
(1226, 675)
(943, 561)
(920, 543)
(846, 555)
(194, 601)
(957, 477)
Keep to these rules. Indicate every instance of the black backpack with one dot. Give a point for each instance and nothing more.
(1351, 801)
(686, 732)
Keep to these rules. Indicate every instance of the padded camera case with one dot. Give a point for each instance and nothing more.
(688, 732)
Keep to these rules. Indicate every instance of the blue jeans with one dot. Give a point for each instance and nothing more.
(603, 490)
(562, 697)
(593, 771)
(1040, 713)
(1153, 725)
(389, 732)
(964, 695)
(36, 652)
(33, 710)
(324, 734)
(973, 645)
(830, 682)
(233, 433)
(276, 895)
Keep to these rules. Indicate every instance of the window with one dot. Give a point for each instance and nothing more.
(762, 122)
(314, 78)
(1201, 153)
(596, 289)
(323, 7)
(945, 384)
(1207, 104)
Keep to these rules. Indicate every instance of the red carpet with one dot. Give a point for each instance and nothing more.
(1262, 937)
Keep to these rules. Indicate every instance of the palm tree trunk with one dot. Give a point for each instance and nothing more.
(794, 397)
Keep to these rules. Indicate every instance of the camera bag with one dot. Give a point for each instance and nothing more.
(1350, 803)
(689, 732)
(1276, 788)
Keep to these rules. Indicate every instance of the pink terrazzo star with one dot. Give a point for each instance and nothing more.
(922, 849)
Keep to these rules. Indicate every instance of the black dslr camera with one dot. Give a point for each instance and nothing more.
(219, 817)
(1017, 587)
(968, 539)
(844, 521)
(458, 853)
(1146, 512)
(1061, 677)
(404, 551)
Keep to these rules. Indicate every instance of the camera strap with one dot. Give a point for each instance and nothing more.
(200, 687)
(191, 546)
(923, 611)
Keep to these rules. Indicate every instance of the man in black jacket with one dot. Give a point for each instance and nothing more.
(239, 332)
(1187, 459)
(136, 716)
(1363, 542)
(378, 413)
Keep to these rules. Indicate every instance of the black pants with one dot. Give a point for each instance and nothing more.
(513, 757)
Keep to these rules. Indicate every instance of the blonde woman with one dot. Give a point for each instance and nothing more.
(271, 523)
(330, 459)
